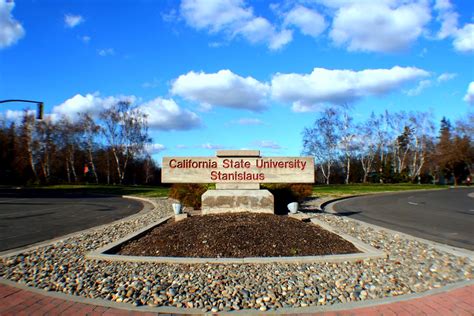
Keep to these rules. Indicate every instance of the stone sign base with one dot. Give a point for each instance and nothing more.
(232, 201)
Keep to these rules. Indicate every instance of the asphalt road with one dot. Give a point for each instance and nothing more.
(445, 216)
(29, 216)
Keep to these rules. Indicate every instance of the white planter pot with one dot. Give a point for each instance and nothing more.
(177, 208)
(293, 207)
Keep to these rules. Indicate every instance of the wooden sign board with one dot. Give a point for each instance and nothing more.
(237, 170)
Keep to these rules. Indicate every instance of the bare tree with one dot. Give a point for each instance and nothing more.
(148, 168)
(125, 129)
(465, 126)
(27, 128)
(369, 142)
(70, 133)
(422, 127)
(45, 146)
(383, 134)
(347, 140)
(90, 131)
(321, 141)
(402, 137)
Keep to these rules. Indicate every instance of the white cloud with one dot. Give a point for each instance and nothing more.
(10, 29)
(215, 15)
(162, 114)
(71, 20)
(232, 18)
(211, 146)
(86, 39)
(337, 4)
(308, 21)
(308, 92)
(249, 121)
(170, 16)
(278, 40)
(422, 85)
(445, 77)
(90, 103)
(165, 114)
(423, 52)
(267, 144)
(469, 97)
(377, 26)
(447, 17)
(151, 84)
(464, 39)
(106, 52)
(154, 148)
(301, 107)
(16, 115)
(223, 88)
(216, 44)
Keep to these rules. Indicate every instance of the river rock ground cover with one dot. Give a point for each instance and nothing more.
(411, 266)
(237, 235)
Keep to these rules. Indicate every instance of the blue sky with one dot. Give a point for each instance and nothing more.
(237, 74)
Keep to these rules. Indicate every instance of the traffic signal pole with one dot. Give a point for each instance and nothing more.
(39, 112)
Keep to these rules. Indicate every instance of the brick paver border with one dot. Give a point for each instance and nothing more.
(20, 301)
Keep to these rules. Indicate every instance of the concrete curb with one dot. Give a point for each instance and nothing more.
(145, 209)
(460, 252)
(282, 311)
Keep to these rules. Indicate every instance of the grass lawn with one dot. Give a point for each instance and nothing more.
(335, 190)
(145, 191)
(354, 189)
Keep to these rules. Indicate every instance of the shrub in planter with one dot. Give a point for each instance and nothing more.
(301, 191)
(189, 194)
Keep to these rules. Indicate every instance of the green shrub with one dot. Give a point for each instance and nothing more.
(189, 194)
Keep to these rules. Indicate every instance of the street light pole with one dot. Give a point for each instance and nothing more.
(39, 112)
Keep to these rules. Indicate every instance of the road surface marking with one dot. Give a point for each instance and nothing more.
(412, 203)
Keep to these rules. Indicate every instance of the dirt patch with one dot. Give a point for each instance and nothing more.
(237, 235)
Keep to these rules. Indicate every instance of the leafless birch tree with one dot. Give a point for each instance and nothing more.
(321, 141)
(125, 129)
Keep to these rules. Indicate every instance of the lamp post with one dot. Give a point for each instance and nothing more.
(39, 112)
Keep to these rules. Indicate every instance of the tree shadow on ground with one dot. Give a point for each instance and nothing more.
(347, 213)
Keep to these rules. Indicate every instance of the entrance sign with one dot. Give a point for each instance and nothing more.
(238, 170)
(237, 175)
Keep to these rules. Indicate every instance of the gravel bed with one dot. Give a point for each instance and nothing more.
(411, 267)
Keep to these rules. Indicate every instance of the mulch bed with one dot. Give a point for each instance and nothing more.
(237, 235)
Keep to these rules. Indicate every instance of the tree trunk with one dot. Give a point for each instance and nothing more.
(32, 163)
(348, 168)
(328, 173)
(124, 168)
(45, 167)
(91, 162)
(117, 161)
(68, 171)
(108, 167)
(94, 172)
(73, 169)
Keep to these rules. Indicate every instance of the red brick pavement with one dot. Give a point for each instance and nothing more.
(18, 302)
